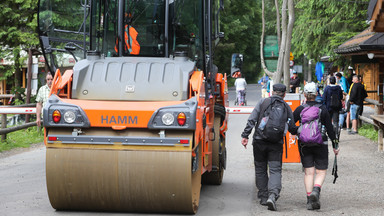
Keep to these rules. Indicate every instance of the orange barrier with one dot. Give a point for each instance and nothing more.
(291, 151)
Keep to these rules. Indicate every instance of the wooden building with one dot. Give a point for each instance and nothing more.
(366, 52)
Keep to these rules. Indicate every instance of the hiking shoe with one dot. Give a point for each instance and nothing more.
(271, 203)
(263, 201)
(315, 197)
(309, 204)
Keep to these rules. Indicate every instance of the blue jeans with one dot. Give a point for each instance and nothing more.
(353, 110)
(342, 117)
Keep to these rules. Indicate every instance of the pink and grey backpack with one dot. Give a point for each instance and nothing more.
(310, 128)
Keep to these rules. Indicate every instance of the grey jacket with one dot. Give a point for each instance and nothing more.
(254, 117)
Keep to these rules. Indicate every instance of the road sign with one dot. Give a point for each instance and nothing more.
(291, 63)
(291, 56)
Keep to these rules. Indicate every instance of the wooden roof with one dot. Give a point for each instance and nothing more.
(376, 15)
(353, 44)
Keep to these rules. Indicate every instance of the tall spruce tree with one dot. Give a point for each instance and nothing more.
(241, 24)
(322, 25)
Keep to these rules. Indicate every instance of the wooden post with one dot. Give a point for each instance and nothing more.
(29, 82)
(380, 140)
(380, 106)
(3, 125)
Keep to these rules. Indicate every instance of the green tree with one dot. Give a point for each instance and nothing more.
(323, 25)
(240, 21)
(17, 31)
(287, 21)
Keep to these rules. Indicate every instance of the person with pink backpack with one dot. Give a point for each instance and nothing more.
(313, 143)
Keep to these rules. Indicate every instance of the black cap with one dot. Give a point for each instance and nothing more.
(279, 87)
(295, 72)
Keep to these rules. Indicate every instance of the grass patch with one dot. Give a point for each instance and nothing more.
(369, 131)
(22, 138)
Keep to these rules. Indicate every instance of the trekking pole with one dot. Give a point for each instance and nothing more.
(334, 169)
(286, 147)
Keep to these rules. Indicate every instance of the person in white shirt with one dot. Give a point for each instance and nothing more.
(241, 86)
(42, 97)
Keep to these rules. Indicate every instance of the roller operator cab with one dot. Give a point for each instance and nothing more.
(136, 119)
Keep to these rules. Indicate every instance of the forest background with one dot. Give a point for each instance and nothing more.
(320, 27)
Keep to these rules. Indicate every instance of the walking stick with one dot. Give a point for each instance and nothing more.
(334, 169)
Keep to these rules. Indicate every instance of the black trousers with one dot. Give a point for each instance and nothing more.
(335, 117)
(266, 155)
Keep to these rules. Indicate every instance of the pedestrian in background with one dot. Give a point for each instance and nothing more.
(314, 157)
(356, 99)
(351, 73)
(294, 82)
(332, 96)
(241, 86)
(42, 97)
(264, 86)
(342, 82)
(343, 113)
(268, 152)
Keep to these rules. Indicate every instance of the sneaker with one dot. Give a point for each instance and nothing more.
(315, 197)
(263, 201)
(352, 132)
(309, 204)
(348, 129)
(271, 203)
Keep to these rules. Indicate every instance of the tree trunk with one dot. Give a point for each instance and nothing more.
(291, 21)
(280, 62)
(269, 73)
(29, 82)
(278, 30)
(17, 74)
(284, 41)
(305, 67)
(310, 70)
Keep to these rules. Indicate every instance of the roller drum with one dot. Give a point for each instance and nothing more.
(122, 180)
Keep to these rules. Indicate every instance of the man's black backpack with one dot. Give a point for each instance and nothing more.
(335, 99)
(272, 122)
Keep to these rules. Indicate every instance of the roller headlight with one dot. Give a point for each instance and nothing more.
(69, 117)
(168, 119)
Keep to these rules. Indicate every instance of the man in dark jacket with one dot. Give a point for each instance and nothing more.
(268, 154)
(294, 82)
(332, 96)
(351, 73)
(356, 99)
